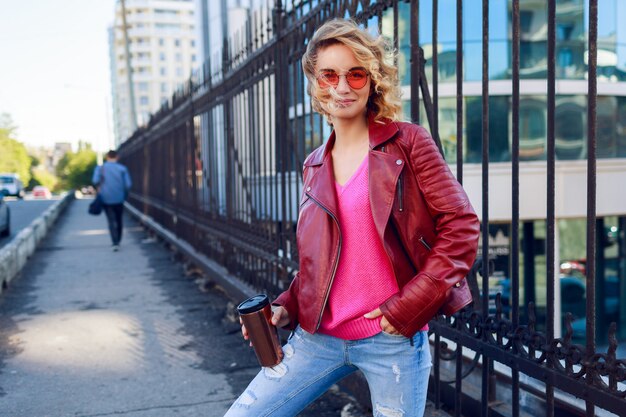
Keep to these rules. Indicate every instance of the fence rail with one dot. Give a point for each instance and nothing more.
(220, 166)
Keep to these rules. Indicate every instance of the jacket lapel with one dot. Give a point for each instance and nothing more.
(321, 186)
(384, 171)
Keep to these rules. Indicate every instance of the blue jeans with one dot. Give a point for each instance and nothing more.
(114, 214)
(396, 372)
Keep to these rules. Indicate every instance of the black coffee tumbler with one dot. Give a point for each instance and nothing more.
(256, 314)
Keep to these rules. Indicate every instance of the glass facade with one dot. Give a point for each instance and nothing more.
(572, 22)
(571, 39)
(570, 127)
(571, 64)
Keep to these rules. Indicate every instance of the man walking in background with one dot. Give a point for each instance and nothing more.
(113, 182)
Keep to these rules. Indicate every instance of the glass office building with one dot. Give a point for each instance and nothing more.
(570, 138)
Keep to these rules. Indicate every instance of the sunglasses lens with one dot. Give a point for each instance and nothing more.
(328, 79)
(357, 78)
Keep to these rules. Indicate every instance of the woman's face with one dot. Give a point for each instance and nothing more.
(352, 100)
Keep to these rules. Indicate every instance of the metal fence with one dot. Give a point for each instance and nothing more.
(220, 166)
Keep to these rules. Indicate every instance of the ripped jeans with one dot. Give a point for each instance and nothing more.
(396, 372)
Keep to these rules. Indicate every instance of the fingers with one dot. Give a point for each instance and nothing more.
(244, 332)
(384, 323)
(388, 327)
(373, 314)
(280, 316)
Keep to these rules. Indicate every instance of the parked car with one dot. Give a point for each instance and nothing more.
(40, 191)
(574, 300)
(11, 185)
(5, 218)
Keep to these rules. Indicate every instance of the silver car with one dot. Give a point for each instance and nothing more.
(5, 218)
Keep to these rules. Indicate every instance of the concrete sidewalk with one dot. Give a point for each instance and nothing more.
(88, 332)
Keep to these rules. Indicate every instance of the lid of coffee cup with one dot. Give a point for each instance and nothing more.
(253, 304)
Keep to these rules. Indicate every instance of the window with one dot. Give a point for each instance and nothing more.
(142, 86)
(161, 42)
(144, 101)
(564, 31)
(163, 71)
(179, 57)
(167, 26)
(193, 43)
(176, 42)
(193, 58)
(166, 12)
(164, 87)
(162, 56)
(525, 20)
(179, 72)
(569, 127)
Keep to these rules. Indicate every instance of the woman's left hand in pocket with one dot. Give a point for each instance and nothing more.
(384, 323)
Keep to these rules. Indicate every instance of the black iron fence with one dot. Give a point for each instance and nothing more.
(220, 166)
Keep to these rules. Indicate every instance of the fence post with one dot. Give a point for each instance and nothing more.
(281, 87)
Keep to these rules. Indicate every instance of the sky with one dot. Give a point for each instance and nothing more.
(54, 70)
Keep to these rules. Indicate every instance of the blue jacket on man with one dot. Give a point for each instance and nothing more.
(114, 181)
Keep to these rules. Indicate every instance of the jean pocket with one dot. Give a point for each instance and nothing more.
(396, 336)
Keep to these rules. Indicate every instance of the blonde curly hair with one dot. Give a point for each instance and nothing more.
(373, 53)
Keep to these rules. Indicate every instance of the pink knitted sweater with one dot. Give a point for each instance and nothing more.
(364, 278)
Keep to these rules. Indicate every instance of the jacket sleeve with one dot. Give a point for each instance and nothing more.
(289, 300)
(127, 181)
(95, 178)
(452, 253)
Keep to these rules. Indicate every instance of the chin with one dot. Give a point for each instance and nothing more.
(349, 112)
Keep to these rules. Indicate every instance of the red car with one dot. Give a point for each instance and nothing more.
(41, 192)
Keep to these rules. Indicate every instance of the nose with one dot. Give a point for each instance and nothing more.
(343, 86)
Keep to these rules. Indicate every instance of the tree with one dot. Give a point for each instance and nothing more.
(13, 157)
(42, 177)
(75, 168)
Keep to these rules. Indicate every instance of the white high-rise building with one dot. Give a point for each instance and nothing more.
(162, 49)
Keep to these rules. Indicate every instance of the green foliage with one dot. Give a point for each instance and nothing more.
(43, 177)
(13, 157)
(75, 168)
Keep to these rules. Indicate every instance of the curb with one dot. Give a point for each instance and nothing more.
(15, 254)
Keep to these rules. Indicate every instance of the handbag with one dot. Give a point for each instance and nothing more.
(96, 206)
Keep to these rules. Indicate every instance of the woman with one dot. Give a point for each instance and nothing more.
(385, 237)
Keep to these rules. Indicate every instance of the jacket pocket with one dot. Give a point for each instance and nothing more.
(305, 198)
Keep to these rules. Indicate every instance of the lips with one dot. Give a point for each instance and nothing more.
(345, 103)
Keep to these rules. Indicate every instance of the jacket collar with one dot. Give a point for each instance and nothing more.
(379, 133)
(385, 166)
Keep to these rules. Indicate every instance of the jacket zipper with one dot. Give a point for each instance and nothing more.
(426, 245)
(400, 190)
(332, 277)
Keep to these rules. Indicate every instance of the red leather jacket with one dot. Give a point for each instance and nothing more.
(423, 217)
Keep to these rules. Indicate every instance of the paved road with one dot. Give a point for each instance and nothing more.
(90, 332)
(23, 212)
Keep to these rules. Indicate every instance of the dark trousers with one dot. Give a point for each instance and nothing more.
(114, 218)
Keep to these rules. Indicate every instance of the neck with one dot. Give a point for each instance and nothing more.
(351, 132)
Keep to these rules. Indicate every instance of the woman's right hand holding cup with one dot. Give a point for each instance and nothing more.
(280, 318)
